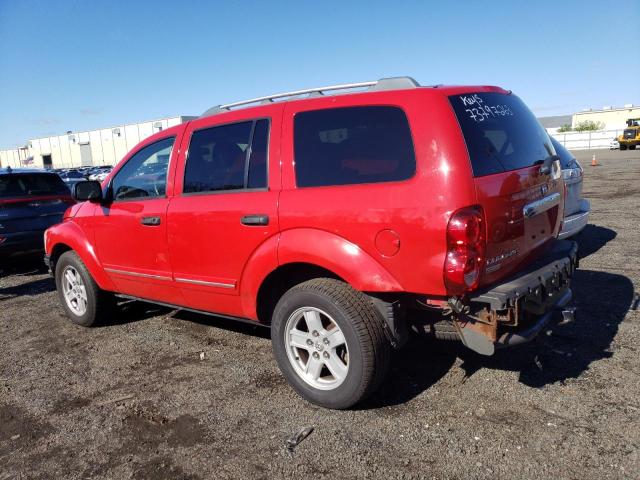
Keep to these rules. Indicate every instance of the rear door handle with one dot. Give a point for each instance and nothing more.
(255, 220)
(150, 221)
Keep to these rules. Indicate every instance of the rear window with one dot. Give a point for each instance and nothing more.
(27, 184)
(501, 133)
(342, 146)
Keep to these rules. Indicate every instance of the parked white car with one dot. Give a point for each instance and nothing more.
(99, 177)
(614, 145)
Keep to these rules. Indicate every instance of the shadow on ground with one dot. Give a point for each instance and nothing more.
(31, 289)
(602, 300)
(246, 328)
(26, 267)
(129, 311)
(592, 238)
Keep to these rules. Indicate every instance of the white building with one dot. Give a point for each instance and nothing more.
(105, 146)
(613, 118)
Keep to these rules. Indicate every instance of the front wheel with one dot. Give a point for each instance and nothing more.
(623, 147)
(83, 300)
(329, 343)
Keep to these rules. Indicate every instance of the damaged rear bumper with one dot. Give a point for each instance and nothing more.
(511, 339)
(518, 309)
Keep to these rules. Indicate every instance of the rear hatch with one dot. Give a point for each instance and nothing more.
(517, 178)
(32, 201)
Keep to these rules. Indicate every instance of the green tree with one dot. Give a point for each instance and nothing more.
(565, 128)
(588, 126)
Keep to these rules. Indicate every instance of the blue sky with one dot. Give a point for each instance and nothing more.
(78, 65)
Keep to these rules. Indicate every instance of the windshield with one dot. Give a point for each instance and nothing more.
(26, 184)
(501, 133)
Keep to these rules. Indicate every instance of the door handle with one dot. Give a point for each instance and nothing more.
(255, 220)
(150, 221)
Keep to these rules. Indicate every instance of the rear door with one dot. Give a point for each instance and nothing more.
(225, 206)
(517, 177)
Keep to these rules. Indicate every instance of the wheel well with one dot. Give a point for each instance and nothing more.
(281, 280)
(57, 251)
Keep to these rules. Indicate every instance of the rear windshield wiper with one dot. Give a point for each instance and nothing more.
(546, 164)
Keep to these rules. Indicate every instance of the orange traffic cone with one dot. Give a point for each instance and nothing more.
(594, 162)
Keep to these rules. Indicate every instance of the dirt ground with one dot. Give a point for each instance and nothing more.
(163, 394)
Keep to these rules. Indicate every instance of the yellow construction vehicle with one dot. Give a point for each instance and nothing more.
(631, 135)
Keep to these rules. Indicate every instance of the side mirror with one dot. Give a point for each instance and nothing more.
(89, 190)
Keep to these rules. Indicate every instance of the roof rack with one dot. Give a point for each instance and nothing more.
(391, 83)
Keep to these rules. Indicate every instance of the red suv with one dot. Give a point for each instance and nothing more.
(342, 221)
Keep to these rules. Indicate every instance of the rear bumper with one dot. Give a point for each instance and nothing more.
(546, 276)
(511, 339)
(518, 309)
(573, 223)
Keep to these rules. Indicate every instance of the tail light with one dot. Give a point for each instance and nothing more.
(466, 246)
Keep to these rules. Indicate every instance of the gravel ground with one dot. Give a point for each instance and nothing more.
(165, 394)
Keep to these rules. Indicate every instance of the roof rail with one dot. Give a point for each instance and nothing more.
(391, 83)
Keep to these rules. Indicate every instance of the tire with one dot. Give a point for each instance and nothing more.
(623, 147)
(446, 331)
(98, 304)
(632, 147)
(365, 350)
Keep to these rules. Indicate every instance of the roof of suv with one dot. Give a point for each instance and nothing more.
(384, 84)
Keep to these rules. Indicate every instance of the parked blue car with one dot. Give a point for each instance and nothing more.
(30, 202)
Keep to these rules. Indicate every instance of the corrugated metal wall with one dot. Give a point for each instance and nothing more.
(108, 145)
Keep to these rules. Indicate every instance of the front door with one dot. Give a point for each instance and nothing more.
(225, 206)
(131, 229)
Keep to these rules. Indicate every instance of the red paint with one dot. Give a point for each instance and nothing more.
(385, 237)
(37, 198)
(387, 243)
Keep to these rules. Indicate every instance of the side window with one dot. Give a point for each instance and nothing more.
(257, 176)
(145, 173)
(227, 157)
(342, 146)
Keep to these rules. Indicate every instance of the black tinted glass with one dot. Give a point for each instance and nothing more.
(352, 145)
(26, 184)
(216, 158)
(145, 173)
(258, 159)
(73, 175)
(501, 132)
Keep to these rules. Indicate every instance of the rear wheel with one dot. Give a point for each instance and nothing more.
(329, 343)
(632, 147)
(83, 300)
